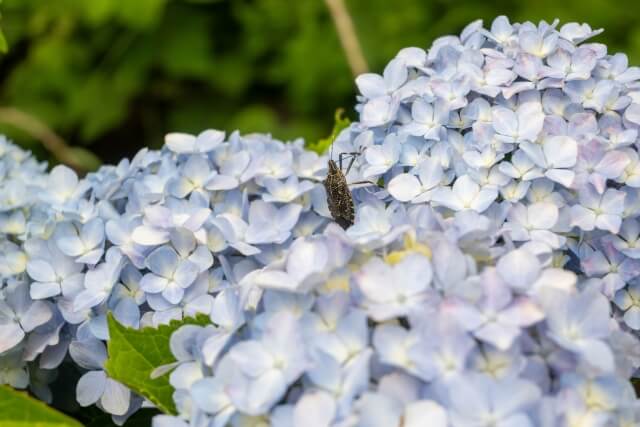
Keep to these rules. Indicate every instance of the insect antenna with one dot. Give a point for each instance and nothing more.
(331, 150)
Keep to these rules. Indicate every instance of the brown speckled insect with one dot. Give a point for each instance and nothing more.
(339, 196)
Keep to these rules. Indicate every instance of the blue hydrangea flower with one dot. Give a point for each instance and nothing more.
(95, 386)
(169, 275)
(393, 291)
(19, 315)
(480, 401)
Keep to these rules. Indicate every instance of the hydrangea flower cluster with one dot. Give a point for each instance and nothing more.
(150, 240)
(524, 124)
(490, 279)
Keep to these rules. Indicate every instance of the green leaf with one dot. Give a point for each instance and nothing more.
(340, 124)
(134, 354)
(17, 409)
(141, 14)
(4, 47)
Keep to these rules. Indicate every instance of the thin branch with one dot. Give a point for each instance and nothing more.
(43, 133)
(347, 36)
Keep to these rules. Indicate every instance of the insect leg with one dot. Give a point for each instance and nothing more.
(366, 182)
(353, 158)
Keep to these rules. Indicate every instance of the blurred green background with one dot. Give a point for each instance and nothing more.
(111, 76)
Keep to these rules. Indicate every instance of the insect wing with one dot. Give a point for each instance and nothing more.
(339, 197)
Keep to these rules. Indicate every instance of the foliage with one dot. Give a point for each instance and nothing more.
(17, 409)
(134, 354)
(3, 43)
(116, 75)
(94, 417)
(340, 123)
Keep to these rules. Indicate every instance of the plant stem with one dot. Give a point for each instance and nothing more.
(43, 133)
(347, 36)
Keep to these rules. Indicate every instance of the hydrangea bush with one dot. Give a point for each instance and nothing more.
(491, 277)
